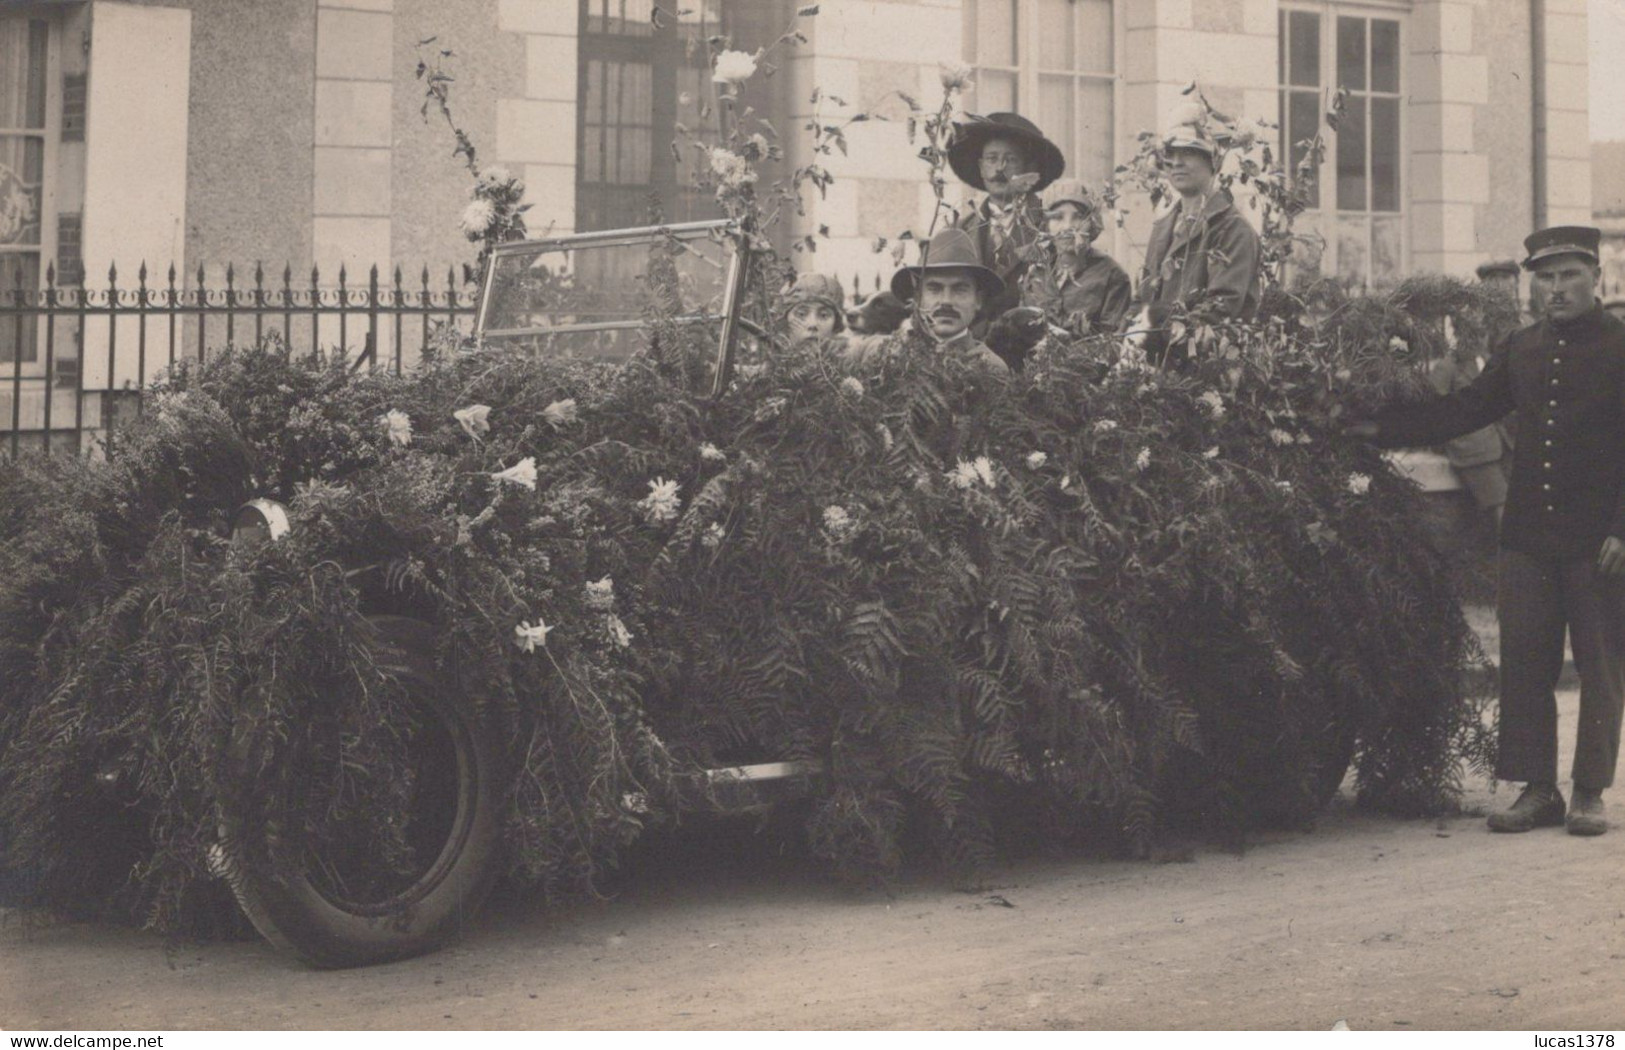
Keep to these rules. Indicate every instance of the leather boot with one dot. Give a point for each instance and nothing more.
(1587, 815)
(1540, 806)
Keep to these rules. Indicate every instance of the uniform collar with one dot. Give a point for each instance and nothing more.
(1585, 324)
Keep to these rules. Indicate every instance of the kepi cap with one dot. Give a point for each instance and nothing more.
(1507, 267)
(1562, 240)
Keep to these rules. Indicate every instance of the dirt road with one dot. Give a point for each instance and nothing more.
(1387, 924)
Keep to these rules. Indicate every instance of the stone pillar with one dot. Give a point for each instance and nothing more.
(352, 195)
(536, 133)
(862, 51)
(1449, 171)
(1568, 131)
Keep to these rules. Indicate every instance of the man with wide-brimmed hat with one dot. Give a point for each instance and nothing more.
(1080, 288)
(1562, 563)
(949, 289)
(1009, 159)
(1203, 260)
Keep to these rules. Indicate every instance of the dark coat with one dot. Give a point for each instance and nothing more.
(1567, 383)
(1207, 265)
(1008, 256)
(1094, 297)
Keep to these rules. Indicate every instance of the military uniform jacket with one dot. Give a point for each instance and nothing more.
(1207, 264)
(1093, 297)
(1567, 383)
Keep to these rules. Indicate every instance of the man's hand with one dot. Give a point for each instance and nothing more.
(1611, 562)
(1362, 430)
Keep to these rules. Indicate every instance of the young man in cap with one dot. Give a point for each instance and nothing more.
(949, 289)
(1562, 566)
(1082, 290)
(1005, 156)
(1203, 259)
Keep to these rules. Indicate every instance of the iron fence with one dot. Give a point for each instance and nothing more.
(73, 359)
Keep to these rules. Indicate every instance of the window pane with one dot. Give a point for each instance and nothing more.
(1387, 247)
(1094, 23)
(995, 33)
(1351, 53)
(1280, 48)
(1302, 125)
(1055, 34)
(1384, 55)
(592, 148)
(18, 268)
(22, 180)
(1353, 250)
(22, 73)
(1351, 158)
(1055, 114)
(1385, 154)
(1305, 40)
(1308, 245)
(1094, 153)
(995, 92)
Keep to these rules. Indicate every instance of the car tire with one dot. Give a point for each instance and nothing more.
(302, 914)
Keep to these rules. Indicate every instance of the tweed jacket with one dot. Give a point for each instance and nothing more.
(870, 351)
(1567, 383)
(1209, 263)
(1094, 296)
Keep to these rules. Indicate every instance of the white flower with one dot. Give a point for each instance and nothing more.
(1359, 484)
(955, 75)
(1305, 439)
(712, 536)
(474, 420)
(1036, 459)
(601, 594)
(1212, 453)
(528, 637)
(521, 473)
(838, 523)
(1214, 402)
(984, 470)
(732, 170)
(852, 385)
(635, 801)
(885, 436)
(560, 413)
(711, 452)
(1398, 345)
(1143, 460)
(477, 218)
(661, 504)
(618, 632)
(397, 427)
(1284, 486)
(733, 67)
(963, 475)
(496, 175)
(1104, 426)
(1279, 436)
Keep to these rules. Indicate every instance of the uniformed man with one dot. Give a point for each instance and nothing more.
(1203, 260)
(1562, 564)
(949, 290)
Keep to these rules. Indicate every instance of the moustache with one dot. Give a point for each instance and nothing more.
(947, 313)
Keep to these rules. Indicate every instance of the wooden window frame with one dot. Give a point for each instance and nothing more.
(51, 135)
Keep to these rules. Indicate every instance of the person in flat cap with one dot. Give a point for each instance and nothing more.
(813, 308)
(1081, 289)
(1010, 160)
(1562, 560)
(949, 289)
(1203, 260)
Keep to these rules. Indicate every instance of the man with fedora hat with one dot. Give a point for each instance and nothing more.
(949, 290)
(1562, 563)
(1203, 258)
(1009, 159)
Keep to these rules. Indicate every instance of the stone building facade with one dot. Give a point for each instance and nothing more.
(289, 132)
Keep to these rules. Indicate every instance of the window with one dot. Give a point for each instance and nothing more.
(1052, 61)
(25, 143)
(640, 79)
(1357, 201)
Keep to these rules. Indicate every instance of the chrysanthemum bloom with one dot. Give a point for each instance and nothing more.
(618, 632)
(475, 420)
(1104, 426)
(521, 473)
(1279, 436)
(712, 536)
(1212, 453)
(1359, 484)
(560, 413)
(1214, 402)
(963, 475)
(731, 170)
(601, 594)
(1037, 459)
(397, 427)
(733, 67)
(662, 503)
(1143, 460)
(528, 637)
(838, 523)
(711, 452)
(955, 76)
(984, 470)
(852, 385)
(477, 218)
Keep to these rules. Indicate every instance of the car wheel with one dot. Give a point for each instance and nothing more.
(341, 906)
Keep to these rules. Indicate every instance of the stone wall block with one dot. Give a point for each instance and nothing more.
(352, 113)
(550, 68)
(352, 181)
(354, 45)
(553, 17)
(534, 132)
